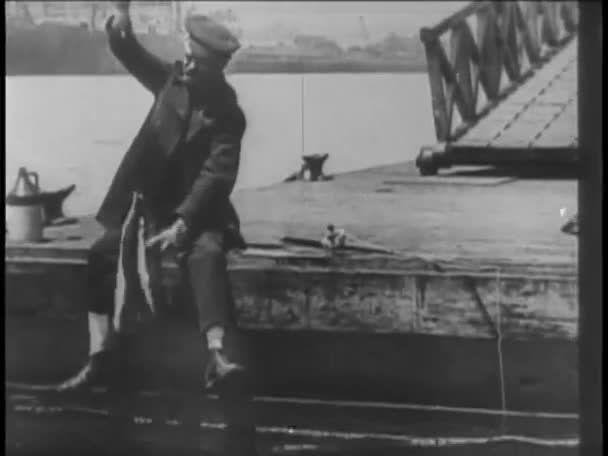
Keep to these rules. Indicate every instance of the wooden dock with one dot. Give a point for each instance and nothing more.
(482, 277)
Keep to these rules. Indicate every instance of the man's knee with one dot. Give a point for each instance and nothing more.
(208, 249)
(97, 259)
(103, 254)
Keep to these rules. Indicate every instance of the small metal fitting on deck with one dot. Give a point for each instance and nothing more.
(52, 206)
(429, 159)
(571, 226)
(334, 238)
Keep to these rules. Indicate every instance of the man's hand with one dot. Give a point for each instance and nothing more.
(122, 7)
(120, 19)
(171, 237)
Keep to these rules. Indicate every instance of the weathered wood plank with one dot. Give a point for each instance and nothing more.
(529, 90)
(557, 95)
(439, 221)
(370, 301)
(491, 125)
(436, 305)
(563, 130)
(525, 128)
(527, 307)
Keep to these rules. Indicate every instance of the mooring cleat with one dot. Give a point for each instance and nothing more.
(311, 170)
(52, 206)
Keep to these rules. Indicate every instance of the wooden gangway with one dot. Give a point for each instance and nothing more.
(503, 78)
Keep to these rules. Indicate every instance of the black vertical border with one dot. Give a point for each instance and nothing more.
(590, 198)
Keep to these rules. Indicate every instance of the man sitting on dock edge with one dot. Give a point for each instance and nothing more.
(173, 186)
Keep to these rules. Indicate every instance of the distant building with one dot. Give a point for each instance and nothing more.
(161, 17)
(317, 45)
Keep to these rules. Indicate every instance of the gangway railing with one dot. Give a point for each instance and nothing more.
(472, 48)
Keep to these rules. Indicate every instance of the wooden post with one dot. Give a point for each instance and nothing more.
(490, 55)
(462, 50)
(440, 109)
(528, 14)
(590, 218)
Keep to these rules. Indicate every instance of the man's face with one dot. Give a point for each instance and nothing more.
(205, 61)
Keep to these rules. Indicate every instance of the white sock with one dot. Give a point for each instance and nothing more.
(99, 332)
(215, 336)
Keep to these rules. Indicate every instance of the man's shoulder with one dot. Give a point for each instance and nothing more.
(233, 116)
(237, 117)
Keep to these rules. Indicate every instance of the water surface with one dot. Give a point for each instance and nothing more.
(75, 129)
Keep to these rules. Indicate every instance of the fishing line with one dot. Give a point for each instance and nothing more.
(503, 398)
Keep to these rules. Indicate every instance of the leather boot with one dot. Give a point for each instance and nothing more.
(223, 375)
(96, 372)
(107, 368)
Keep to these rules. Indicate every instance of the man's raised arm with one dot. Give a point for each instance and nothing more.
(148, 69)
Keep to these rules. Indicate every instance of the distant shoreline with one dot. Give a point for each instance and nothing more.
(59, 50)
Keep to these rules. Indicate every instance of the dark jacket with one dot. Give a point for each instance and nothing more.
(185, 157)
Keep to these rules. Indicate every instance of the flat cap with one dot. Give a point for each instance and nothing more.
(204, 31)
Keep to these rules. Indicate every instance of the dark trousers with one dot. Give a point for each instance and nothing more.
(203, 271)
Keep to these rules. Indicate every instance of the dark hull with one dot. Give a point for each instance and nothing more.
(415, 369)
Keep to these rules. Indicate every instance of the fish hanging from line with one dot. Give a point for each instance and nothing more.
(138, 275)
